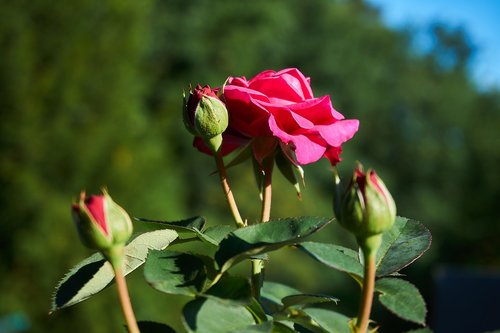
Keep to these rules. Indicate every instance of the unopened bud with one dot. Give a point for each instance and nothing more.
(205, 116)
(366, 208)
(101, 223)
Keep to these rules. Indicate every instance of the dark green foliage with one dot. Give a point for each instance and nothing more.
(402, 298)
(152, 327)
(199, 314)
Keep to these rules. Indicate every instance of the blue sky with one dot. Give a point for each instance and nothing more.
(481, 19)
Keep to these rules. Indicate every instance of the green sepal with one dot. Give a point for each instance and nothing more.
(287, 170)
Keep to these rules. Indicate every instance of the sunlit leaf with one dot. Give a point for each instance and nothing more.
(265, 237)
(403, 244)
(94, 273)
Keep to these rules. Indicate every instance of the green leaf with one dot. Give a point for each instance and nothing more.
(187, 228)
(428, 330)
(275, 292)
(334, 256)
(402, 298)
(266, 327)
(231, 289)
(152, 327)
(175, 272)
(204, 315)
(265, 237)
(279, 327)
(257, 311)
(188, 274)
(218, 232)
(271, 295)
(94, 273)
(329, 320)
(306, 299)
(404, 243)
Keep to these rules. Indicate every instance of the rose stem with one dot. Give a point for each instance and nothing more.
(127, 310)
(367, 292)
(227, 191)
(258, 264)
(267, 190)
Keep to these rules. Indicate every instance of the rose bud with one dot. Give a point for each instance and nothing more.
(366, 208)
(101, 223)
(205, 116)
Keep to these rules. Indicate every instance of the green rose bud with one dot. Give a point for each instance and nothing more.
(205, 116)
(102, 224)
(366, 209)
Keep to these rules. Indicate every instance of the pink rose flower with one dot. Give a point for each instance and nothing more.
(280, 108)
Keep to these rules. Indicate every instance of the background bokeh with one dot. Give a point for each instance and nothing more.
(90, 95)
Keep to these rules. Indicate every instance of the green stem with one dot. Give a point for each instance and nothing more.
(126, 306)
(369, 246)
(267, 192)
(257, 277)
(227, 191)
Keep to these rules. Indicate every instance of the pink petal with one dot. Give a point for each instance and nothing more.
(263, 146)
(333, 155)
(237, 81)
(287, 120)
(245, 113)
(305, 82)
(318, 110)
(95, 206)
(308, 149)
(339, 132)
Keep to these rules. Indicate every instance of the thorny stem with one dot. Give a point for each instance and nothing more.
(126, 306)
(369, 247)
(258, 264)
(267, 191)
(227, 191)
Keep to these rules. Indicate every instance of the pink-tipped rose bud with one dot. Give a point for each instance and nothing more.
(367, 208)
(100, 222)
(205, 116)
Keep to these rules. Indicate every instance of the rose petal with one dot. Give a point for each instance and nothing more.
(339, 132)
(285, 88)
(308, 149)
(318, 110)
(305, 82)
(289, 121)
(95, 206)
(333, 155)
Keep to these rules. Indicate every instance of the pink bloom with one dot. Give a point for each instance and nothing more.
(280, 107)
